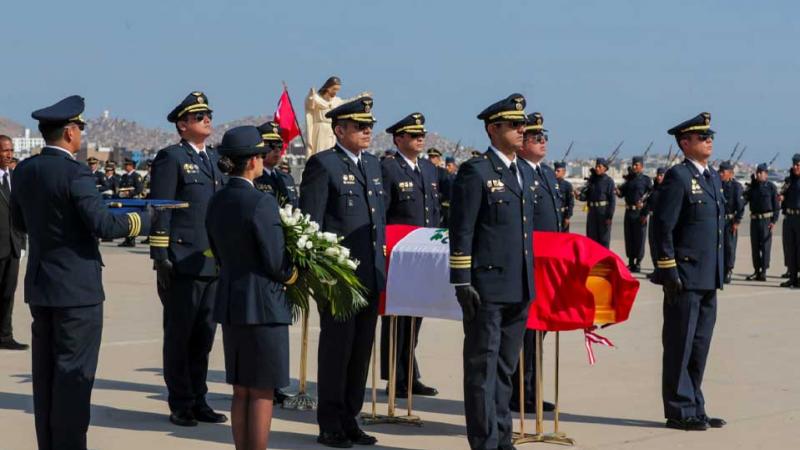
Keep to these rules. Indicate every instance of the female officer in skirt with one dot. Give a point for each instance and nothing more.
(247, 241)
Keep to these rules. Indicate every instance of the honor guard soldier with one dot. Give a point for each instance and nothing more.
(147, 177)
(546, 217)
(99, 176)
(635, 187)
(491, 266)
(791, 223)
(12, 248)
(764, 213)
(734, 211)
(599, 195)
(342, 190)
(567, 199)
(689, 221)
(411, 196)
(650, 203)
(55, 200)
(446, 189)
(186, 273)
(131, 185)
(275, 181)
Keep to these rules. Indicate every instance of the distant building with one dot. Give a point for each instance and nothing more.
(26, 144)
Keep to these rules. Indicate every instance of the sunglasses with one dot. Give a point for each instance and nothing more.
(199, 117)
(364, 126)
(540, 138)
(705, 137)
(417, 135)
(515, 124)
(81, 126)
(275, 146)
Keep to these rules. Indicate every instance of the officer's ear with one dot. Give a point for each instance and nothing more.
(338, 128)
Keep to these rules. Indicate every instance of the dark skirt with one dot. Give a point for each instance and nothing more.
(256, 356)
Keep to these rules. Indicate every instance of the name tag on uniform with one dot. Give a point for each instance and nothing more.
(376, 181)
(348, 179)
(406, 186)
(190, 168)
(496, 186)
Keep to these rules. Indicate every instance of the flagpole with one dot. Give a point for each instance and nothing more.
(291, 105)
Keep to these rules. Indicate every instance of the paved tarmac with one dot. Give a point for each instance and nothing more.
(752, 378)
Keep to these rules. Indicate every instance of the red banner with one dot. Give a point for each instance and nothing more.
(286, 119)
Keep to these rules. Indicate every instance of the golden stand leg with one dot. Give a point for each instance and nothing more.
(390, 417)
(410, 419)
(302, 401)
(555, 437)
(374, 418)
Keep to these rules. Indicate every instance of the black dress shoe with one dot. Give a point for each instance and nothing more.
(335, 440)
(183, 418)
(728, 277)
(787, 283)
(11, 344)
(421, 389)
(752, 276)
(688, 424)
(358, 436)
(714, 422)
(762, 276)
(127, 243)
(206, 414)
(785, 274)
(279, 397)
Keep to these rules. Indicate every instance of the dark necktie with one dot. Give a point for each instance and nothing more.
(361, 169)
(6, 185)
(206, 162)
(513, 168)
(539, 172)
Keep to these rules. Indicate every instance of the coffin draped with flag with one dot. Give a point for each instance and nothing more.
(579, 283)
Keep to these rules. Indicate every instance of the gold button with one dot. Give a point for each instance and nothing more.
(373, 209)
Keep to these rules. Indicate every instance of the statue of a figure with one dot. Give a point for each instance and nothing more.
(319, 134)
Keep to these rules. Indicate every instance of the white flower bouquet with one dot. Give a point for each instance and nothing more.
(325, 270)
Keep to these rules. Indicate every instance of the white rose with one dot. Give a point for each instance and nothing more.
(301, 242)
(345, 251)
(309, 245)
(313, 227)
(290, 221)
(352, 264)
(330, 237)
(332, 251)
(287, 208)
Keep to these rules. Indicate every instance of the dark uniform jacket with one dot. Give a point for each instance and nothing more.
(634, 188)
(411, 198)
(130, 180)
(546, 200)
(55, 200)
(99, 180)
(246, 237)
(763, 199)
(734, 200)
(111, 185)
(688, 222)
(344, 201)
(11, 240)
(651, 200)
(567, 199)
(180, 235)
(791, 194)
(600, 189)
(491, 230)
(280, 185)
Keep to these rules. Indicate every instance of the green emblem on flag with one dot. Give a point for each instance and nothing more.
(442, 235)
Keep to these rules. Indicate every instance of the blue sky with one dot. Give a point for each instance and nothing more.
(599, 71)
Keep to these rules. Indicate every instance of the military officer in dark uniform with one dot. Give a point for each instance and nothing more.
(635, 187)
(764, 213)
(275, 181)
(599, 195)
(689, 220)
(491, 266)
(246, 237)
(734, 211)
(131, 185)
(546, 217)
(111, 181)
(342, 190)
(185, 269)
(649, 205)
(99, 176)
(63, 285)
(567, 198)
(791, 223)
(411, 196)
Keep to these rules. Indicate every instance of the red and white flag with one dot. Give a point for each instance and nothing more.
(286, 119)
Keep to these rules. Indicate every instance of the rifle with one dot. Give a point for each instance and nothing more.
(769, 164)
(614, 153)
(669, 153)
(647, 150)
(739, 157)
(733, 153)
(672, 161)
(569, 149)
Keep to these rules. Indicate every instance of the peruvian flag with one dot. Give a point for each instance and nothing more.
(286, 119)
(418, 278)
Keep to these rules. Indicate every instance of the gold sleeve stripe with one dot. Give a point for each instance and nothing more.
(457, 258)
(460, 265)
(134, 224)
(293, 278)
(666, 264)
